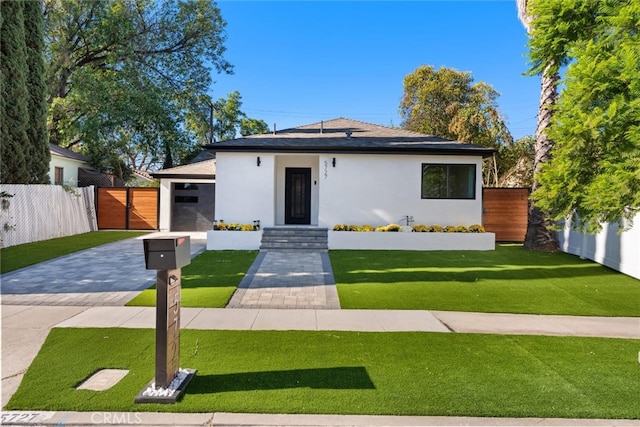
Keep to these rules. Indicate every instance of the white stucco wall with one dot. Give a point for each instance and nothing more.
(165, 198)
(360, 189)
(245, 192)
(383, 189)
(619, 251)
(70, 172)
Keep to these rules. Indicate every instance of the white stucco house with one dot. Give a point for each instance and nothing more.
(64, 165)
(345, 171)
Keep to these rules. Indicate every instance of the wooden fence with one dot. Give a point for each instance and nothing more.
(128, 208)
(505, 213)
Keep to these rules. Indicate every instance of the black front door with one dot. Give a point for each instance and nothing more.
(297, 196)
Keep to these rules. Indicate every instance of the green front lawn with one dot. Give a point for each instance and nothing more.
(20, 256)
(346, 373)
(209, 281)
(507, 280)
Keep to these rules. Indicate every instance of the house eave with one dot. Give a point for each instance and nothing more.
(484, 152)
(182, 176)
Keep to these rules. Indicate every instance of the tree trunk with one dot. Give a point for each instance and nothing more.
(539, 235)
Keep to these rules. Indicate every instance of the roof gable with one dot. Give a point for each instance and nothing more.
(349, 136)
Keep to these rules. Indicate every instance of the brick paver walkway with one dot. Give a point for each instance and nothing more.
(288, 279)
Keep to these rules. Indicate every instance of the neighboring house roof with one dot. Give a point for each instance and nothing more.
(64, 152)
(142, 174)
(349, 136)
(205, 169)
(203, 155)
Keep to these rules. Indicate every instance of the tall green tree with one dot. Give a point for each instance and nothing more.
(38, 155)
(553, 25)
(594, 175)
(124, 75)
(15, 114)
(447, 103)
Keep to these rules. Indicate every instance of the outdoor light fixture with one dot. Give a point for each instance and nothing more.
(258, 161)
(256, 224)
(333, 162)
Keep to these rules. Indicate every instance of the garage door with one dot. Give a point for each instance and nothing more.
(192, 206)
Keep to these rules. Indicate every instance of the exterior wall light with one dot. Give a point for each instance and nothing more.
(258, 161)
(333, 162)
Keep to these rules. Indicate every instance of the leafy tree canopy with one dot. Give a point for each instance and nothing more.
(447, 103)
(126, 76)
(594, 174)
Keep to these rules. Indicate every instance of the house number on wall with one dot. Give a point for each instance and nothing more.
(326, 166)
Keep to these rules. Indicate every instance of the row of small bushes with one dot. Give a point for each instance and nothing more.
(419, 228)
(234, 227)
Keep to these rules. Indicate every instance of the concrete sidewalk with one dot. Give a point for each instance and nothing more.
(364, 321)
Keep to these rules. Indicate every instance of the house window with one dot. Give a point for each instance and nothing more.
(185, 199)
(58, 178)
(448, 181)
(186, 186)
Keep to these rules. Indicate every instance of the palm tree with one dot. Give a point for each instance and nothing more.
(539, 234)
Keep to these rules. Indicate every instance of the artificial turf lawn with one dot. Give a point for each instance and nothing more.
(20, 256)
(346, 373)
(507, 280)
(209, 281)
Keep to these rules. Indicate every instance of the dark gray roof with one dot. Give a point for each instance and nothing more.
(348, 136)
(205, 169)
(63, 152)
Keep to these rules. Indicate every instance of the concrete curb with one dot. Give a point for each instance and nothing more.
(68, 419)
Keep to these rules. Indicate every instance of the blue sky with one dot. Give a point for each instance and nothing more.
(299, 62)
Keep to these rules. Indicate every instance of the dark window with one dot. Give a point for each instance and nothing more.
(185, 199)
(58, 179)
(186, 186)
(448, 181)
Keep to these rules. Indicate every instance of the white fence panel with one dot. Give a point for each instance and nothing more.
(41, 212)
(619, 251)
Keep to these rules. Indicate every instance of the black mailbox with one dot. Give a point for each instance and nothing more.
(167, 253)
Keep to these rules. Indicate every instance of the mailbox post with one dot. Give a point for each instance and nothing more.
(167, 255)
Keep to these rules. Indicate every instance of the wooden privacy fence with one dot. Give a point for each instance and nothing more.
(128, 208)
(505, 213)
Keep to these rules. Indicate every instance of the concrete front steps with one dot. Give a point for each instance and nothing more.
(294, 238)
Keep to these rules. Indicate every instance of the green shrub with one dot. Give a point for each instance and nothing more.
(450, 229)
(368, 228)
(436, 229)
(476, 228)
(221, 226)
(420, 228)
(248, 227)
(462, 229)
(354, 227)
(382, 228)
(339, 227)
(394, 227)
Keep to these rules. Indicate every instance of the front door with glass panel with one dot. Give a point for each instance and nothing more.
(297, 198)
